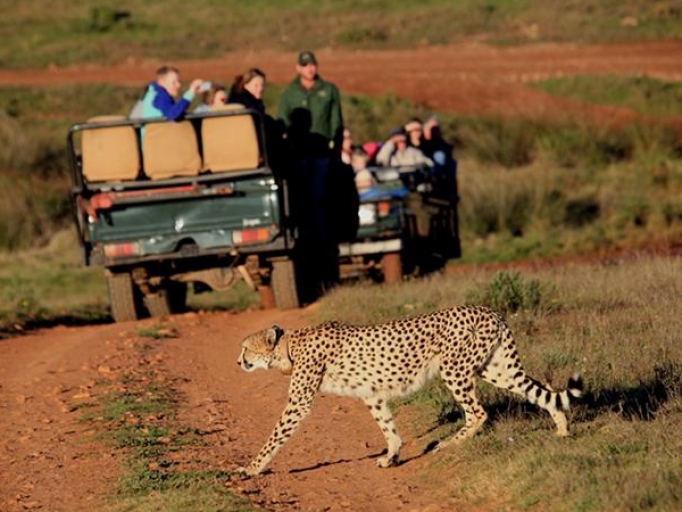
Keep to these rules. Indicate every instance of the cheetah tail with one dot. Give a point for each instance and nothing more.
(574, 389)
(538, 394)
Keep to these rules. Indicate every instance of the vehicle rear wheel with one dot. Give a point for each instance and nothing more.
(283, 282)
(392, 267)
(169, 299)
(123, 297)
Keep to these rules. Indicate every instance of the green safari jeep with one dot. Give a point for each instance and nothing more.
(162, 205)
(408, 225)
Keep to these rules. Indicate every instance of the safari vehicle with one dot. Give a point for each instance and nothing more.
(162, 205)
(407, 225)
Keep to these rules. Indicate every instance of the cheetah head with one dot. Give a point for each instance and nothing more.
(265, 349)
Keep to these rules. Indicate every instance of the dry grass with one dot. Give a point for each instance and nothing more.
(544, 210)
(69, 32)
(619, 325)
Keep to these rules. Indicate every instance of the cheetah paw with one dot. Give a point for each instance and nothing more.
(387, 461)
(246, 471)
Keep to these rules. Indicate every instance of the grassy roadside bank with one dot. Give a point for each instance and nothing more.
(135, 415)
(615, 323)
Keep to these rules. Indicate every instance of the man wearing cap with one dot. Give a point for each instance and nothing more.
(310, 109)
(320, 102)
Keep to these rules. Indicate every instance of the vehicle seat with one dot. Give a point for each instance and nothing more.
(111, 153)
(170, 149)
(230, 143)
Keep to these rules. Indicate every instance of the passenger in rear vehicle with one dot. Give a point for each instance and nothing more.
(159, 100)
(364, 180)
(433, 145)
(415, 133)
(214, 96)
(247, 89)
(396, 153)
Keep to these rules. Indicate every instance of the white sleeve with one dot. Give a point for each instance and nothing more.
(384, 154)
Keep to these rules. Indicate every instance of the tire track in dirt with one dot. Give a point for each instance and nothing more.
(469, 78)
(329, 463)
(49, 460)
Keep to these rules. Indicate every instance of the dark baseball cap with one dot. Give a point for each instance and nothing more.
(306, 57)
(398, 130)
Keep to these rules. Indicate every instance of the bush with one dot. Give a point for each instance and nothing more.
(507, 293)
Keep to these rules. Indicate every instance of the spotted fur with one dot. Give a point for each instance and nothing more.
(378, 362)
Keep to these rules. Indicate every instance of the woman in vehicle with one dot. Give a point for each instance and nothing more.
(247, 89)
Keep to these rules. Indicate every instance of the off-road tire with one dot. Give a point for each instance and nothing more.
(123, 297)
(283, 282)
(391, 267)
(167, 300)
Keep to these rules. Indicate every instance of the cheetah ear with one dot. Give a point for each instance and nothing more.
(273, 334)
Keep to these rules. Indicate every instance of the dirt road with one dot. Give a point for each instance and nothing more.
(468, 78)
(51, 461)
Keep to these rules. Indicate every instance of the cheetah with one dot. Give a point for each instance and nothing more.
(378, 362)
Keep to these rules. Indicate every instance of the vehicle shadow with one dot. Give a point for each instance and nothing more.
(36, 322)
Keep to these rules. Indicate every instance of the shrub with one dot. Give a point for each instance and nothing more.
(581, 211)
(508, 292)
(105, 19)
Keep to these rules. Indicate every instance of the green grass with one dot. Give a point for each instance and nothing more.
(527, 190)
(136, 416)
(518, 178)
(542, 210)
(69, 32)
(48, 287)
(641, 94)
(618, 325)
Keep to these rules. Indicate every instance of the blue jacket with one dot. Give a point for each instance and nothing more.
(158, 103)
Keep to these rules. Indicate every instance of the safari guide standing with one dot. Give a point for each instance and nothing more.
(310, 109)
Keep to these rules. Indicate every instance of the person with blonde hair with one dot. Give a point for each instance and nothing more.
(213, 96)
